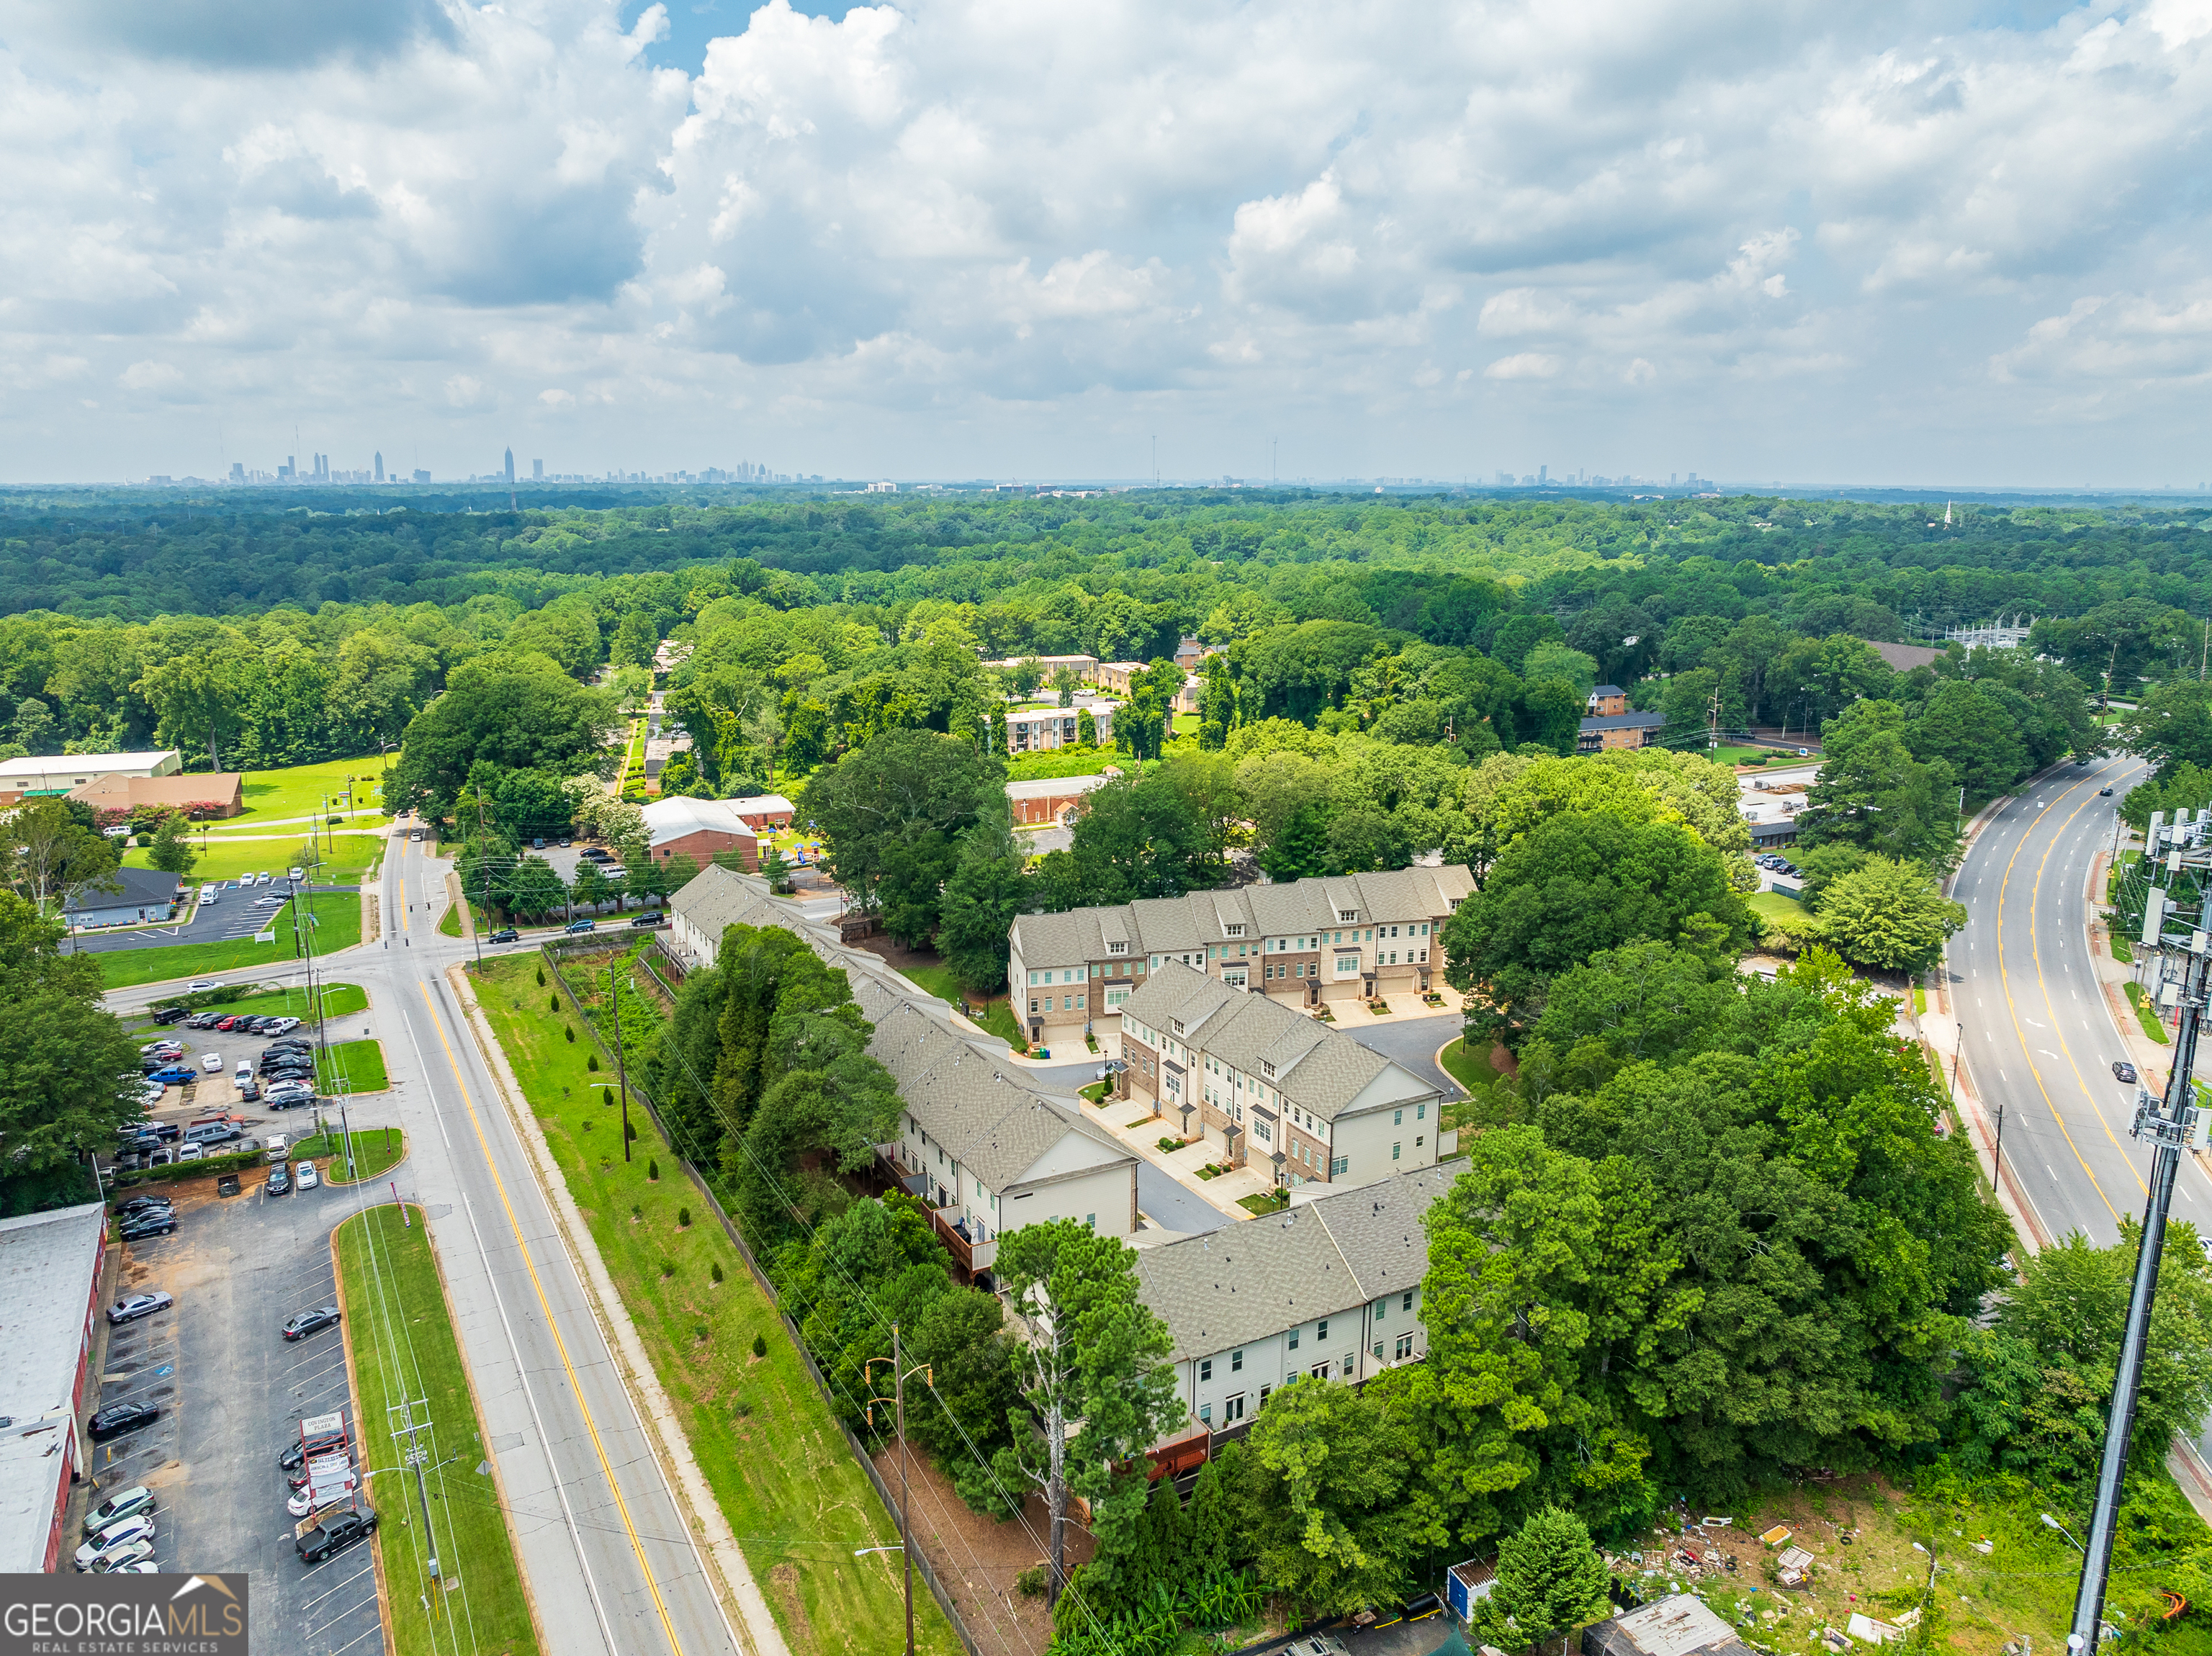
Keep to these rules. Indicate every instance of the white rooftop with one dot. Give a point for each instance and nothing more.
(762, 805)
(1054, 787)
(158, 761)
(47, 1263)
(675, 818)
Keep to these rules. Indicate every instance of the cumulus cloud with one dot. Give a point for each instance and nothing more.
(955, 236)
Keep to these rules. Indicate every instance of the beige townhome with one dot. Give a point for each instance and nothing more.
(1304, 942)
(1329, 1290)
(1271, 1086)
(987, 1149)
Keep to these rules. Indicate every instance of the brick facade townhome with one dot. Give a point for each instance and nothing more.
(701, 829)
(50, 1279)
(1304, 942)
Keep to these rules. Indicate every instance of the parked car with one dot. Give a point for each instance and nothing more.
(338, 1531)
(225, 1024)
(280, 1182)
(270, 902)
(596, 853)
(292, 1100)
(284, 1025)
(248, 1092)
(505, 934)
(537, 844)
(127, 1504)
(164, 1047)
(211, 1132)
(120, 1417)
(135, 1559)
(175, 1075)
(2123, 1070)
(137, 1306)
(202, 1021)
(300, 1324)
(170, 1014)
(192, 1153)
(305, 1172)
(212, 1063)
(153, 1224)
(120, 1534)
(295, 875)
(580, 926)
(148, 1204)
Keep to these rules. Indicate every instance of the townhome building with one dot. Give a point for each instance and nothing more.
(1035, 730)
(1329, 1290)
(1267, 1083)
(987, 1149)
(1303, 941)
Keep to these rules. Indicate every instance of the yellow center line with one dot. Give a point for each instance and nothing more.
(2026, 1051)
(560, 1344)
(2035, 907)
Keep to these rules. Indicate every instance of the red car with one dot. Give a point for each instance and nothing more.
(225, 1023)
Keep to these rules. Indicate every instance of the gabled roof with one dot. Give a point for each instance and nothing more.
(143, 887)
(676, 816)
(1317, 1259)
(1318, 1068)
(1625, 722)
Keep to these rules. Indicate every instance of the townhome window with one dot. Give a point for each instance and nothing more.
(1320, 1370)
(1420, 1113)
(1338, 1166)
(1205, 1368)
(1294, 1339)
(1235, 1362)
(1320, 1331)
(1117, 949)
(1232, 931)
(1378, 1351)
(1206, 1414)
(1394, 1149)
(1347, 914)
(1268, 1068)
(1382, 1309)
(1404, 1348)
(1233, 1410)
(1175, 1024)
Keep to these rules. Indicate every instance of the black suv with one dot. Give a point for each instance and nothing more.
(170, 1014)
(335, 1533)
(505, 934)
(136, 1226)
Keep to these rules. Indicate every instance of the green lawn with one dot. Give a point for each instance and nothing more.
(765, 1440)
(351, 1066)
(337, 915)
(346, 856)
(1773, 905)
(401, 1336)
(997, 1016)
(375, 1150)
(1470, 1069)
(304, 790)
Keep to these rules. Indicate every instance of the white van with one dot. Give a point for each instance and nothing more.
(278, 1150)
(209, 893)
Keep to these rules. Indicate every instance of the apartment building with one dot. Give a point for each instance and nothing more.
(1343, 938)
(983, 1146)
(1120, 678)
(1036, 729)
(1329, 1290)
(1265, 1083)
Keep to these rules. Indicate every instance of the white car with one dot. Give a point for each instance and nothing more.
(305, 1176)
(212, 1063)
(153, 1094)
(299, 1506)
(295, 875)
(137, 1306)
(261, 879)
(270, 902)
(131, 1558)
(198, 984)
(245, 1072)
(192, 1153)
(114, 1539)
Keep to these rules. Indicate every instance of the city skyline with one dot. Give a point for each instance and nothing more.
(1919, 244)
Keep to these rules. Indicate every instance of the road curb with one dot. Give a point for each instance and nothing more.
(353, 1399)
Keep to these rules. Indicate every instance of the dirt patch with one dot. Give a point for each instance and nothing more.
(976, 1558)
(784, 1578)
(899, 955)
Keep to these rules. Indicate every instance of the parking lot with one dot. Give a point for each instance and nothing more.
(213, 1091)
(232, 1393)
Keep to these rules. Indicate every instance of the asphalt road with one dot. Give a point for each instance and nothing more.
(612, 1567)
(2037, 1028)
(233, 1393)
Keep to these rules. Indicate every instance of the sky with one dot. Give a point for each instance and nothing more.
(1950, 243)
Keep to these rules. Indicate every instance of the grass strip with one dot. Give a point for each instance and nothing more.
(765, 1441)
(375, 1150)
(401, 1336)
(351, 1066)
(1471, 1072)
(337, 925)
(335, 1000)
(2147, 1013)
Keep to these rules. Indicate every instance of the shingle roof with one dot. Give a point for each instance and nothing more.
(1319, 1258)
(1318, 1068)
(983, 1112)
(141, 888)
(1625, 722)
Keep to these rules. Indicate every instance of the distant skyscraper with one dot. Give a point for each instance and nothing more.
(538, 471)
(510, 468)
(380, 465)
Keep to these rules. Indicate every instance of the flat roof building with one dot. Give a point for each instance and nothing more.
(49, 1274)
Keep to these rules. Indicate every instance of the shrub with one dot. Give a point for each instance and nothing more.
(667, 1269)
(682, 1219)
(629, 1130)
(541, 977)
(652, 1167)
(714, 1271)
(591, 1060)
(760, 1346)
(556, 1005)
(570, 1030)
(607, 1096)
(1030, 1582)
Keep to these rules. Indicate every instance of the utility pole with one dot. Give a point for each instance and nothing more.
(476, 935)
(1996, 1170)
(899, 1372)
(416, 1456)
(622, 1074)
(2172, 1124)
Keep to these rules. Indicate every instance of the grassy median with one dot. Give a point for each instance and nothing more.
(337, 925)
(375, 1150)
(401, 1336)
(766, 1442)
(351, 1066)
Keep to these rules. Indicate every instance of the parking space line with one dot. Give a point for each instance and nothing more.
(341, 1587)
(342, 1649)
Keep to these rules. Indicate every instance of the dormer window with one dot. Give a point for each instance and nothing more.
(1233, 930)
(1175, 1024)
(1117, 949)
(1267, 1069)
(1347, 915)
